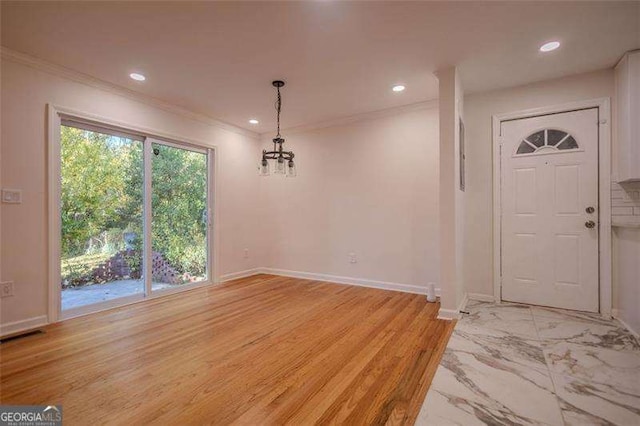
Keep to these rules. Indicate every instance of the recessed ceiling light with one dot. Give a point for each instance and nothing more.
(253, 121)
(137, 77)
(548, 47)
(398, 88)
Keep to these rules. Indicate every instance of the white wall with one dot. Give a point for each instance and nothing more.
(369, 187)
(25, 94)
(479, 109)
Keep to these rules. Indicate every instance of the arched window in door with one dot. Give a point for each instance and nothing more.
(547, 140)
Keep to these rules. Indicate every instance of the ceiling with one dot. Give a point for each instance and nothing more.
(338, 58)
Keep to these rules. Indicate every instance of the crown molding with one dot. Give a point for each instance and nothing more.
(365, 116)
(86, 79)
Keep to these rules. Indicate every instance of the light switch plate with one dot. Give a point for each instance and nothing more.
(11, 196)
(6, 289)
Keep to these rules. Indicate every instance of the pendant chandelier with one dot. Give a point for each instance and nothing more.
(283, 164)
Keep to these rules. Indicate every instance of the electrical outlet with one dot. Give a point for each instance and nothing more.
(353, 258)
(246, 253)
(6, 289)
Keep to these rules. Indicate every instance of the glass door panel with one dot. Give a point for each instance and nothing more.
(101, 217)
(178, 216)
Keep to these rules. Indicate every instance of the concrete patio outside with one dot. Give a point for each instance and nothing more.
(95, 293)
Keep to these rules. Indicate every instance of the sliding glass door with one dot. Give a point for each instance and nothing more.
(101, 216)
(134, 217)
(178, 216)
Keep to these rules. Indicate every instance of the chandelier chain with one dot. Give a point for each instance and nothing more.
(278, 109)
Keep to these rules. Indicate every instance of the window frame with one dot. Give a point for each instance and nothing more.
(57, 116)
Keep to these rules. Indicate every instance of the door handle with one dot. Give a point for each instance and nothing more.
(590, 224)
(590, 210)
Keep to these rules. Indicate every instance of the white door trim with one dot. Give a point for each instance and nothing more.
(54, 114)
(604, 191)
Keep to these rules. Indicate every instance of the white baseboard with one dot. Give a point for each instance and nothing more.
(31, 323)
(23, 325)
(481, 297)
(240, 274)
(616, 314)
(383, 285)
(448, 314)
(463, 302)
(451, 314)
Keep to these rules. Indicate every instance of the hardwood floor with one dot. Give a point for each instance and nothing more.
(259, 350)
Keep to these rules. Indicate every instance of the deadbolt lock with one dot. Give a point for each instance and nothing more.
(590, 210)
(590, 224)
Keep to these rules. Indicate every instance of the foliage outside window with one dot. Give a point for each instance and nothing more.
(102, 207)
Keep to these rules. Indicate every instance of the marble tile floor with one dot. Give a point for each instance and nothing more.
(512, 364)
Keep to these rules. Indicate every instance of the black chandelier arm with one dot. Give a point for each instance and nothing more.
(274, 155)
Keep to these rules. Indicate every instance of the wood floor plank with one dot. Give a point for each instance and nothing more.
(258, 350)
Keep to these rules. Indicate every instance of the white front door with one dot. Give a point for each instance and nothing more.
(549, 184)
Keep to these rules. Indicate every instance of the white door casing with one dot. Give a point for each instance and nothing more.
(549, 177)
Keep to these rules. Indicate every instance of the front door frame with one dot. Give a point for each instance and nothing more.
(604, 191)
